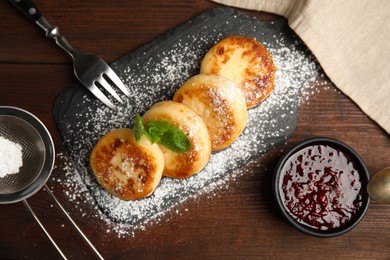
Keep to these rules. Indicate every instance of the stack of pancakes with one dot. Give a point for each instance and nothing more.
(210, 108)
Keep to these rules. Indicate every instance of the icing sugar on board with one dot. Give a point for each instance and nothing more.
(153, 73)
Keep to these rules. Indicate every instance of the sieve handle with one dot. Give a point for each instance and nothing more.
(44, 229)
(69, 218)
(73, 223)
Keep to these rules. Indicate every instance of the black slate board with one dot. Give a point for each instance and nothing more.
(153, 73)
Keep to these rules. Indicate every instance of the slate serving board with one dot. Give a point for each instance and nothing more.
(153, 73)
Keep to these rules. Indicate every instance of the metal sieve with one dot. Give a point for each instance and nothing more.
(38, 154)
(23, 128)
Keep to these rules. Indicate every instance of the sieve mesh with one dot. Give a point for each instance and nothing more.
(19, 131)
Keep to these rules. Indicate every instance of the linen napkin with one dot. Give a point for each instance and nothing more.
(350, 39)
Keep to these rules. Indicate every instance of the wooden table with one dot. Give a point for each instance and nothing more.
(242, 221)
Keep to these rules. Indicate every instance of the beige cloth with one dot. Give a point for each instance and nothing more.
(350, 39)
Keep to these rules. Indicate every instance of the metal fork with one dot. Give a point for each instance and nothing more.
(91, 71)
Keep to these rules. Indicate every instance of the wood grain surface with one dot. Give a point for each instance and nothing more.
(241, 221)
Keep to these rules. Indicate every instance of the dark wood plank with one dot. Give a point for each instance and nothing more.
(108, 29)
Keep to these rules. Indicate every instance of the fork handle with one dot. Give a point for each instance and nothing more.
(28, 8)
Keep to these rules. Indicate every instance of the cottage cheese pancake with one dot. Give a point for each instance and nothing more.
(221, 104)
(246, 62)
(184, 164)
(126, 169)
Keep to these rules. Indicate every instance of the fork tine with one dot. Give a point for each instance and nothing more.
(96, 91)
(102, 81)
(117, 81)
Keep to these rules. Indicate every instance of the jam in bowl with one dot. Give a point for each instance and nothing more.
(320, 187)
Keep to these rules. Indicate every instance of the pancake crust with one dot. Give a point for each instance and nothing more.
(220, 103)
(246, 62)
(182, 165)
(128, 170)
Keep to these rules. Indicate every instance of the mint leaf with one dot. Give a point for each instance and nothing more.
(161, 132)
(138, 128)
(176, 140)
(154, 134)
(168, 135)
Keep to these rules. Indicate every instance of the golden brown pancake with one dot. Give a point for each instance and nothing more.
(128, 170)
(185, 164)
(220, 103)
(246, 62)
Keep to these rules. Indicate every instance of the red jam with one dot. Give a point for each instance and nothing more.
(320, 187)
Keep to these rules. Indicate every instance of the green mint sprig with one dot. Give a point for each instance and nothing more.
(163, 133)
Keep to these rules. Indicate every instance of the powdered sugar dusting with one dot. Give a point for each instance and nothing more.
(11, 157)
(155, 76)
